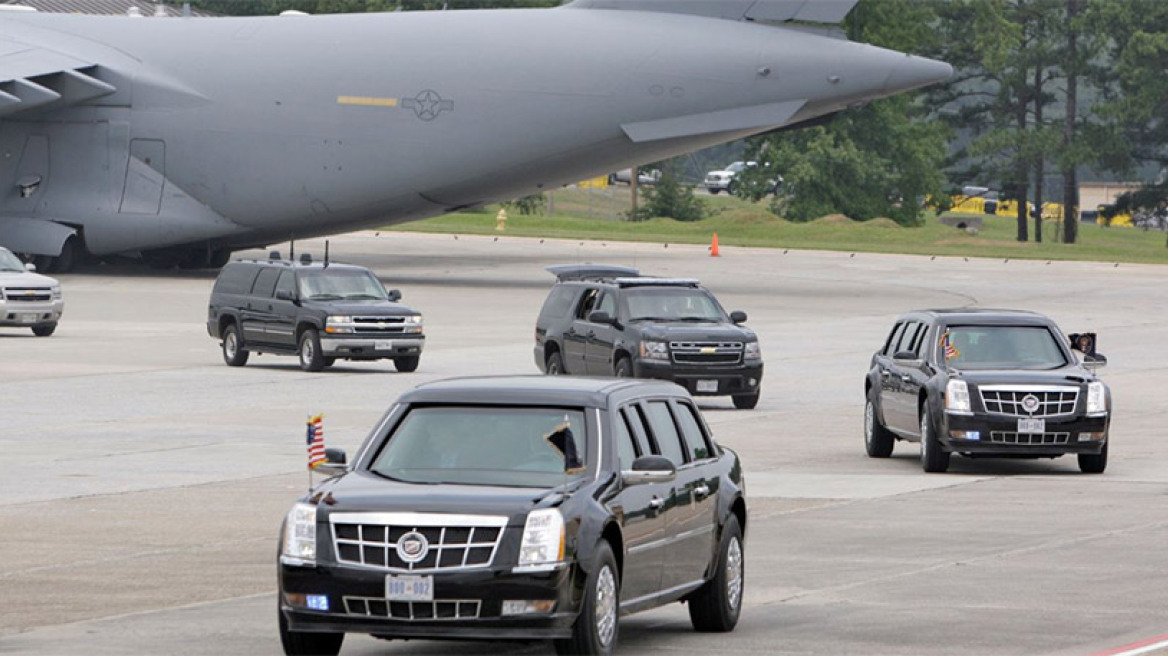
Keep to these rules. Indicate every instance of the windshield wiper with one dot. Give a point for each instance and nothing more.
(650, 319)
(362, 297)
(697, 319)
(324, 297)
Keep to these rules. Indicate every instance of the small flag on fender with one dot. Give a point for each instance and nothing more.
(315, 441)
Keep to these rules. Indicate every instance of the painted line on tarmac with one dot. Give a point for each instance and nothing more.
(1142, 647)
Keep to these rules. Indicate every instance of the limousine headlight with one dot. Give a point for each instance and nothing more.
(957, 397)
(1096, 399)
(543, 538)
(300, 534)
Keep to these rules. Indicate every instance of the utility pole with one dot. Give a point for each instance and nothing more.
(1070, 179)
(633, 187)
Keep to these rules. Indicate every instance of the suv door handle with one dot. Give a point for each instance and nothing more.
(571, 331)
(701, 491)
(591, 334)
(905, 378)
(886, 373)
(656, 503)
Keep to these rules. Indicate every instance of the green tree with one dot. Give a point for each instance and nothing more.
(881, 160)
(670, 198)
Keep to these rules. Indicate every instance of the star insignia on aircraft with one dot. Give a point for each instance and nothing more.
(428, 105)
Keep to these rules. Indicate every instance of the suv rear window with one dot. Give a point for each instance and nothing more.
(558, 301)
(236, 278)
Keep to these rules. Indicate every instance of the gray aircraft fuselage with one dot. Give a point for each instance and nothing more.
(224, 133)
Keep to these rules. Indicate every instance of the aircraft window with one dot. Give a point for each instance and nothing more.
(587, 302)
(287, 282)
(691, 430)
(665, 432)
(265, 283)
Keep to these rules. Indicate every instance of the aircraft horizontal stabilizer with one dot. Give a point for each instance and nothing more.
(780, 11)
(757, 117)
(33, 78)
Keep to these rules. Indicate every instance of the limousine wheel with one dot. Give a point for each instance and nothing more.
(716, 605)
(878, 440)
(596, 627)
(934, 459)
(1091, 463)
(300, 643)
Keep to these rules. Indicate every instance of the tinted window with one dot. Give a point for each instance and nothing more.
(626, 451)
(671, 304)
(893, 338)
(558, 301)
(236, 279)
(665, 432)
(637, 422)
(691, 430)
(265, 283)
(907, 337)
(341, 284)
(526, 447)
(922, 338)
(587, 302)
(607, 304)
(1002, 347)
(287, 282)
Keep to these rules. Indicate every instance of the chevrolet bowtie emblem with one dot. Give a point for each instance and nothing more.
(709, 350)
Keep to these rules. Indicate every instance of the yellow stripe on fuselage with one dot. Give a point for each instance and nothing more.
(365, 101)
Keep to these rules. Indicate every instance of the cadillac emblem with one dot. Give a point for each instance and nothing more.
(1030, 403)
(413, 547)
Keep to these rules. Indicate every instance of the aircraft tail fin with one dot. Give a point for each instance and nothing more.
(771, 11)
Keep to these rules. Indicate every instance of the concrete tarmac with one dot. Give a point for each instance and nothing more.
(146, 480)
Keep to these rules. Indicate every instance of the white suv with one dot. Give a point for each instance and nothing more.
(27, 299)
(717, 181)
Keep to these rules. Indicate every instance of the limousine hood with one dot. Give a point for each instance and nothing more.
(1069, 375)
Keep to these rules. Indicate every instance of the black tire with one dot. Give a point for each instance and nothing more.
(715, 607)
(746, 401)
(595, 630)
(329, 361)
(623, 368)
(934, 459)
(311, 359)
(300, 643)
(878, 440)
(234, 352)
(1091, 463)
(407, 363)
(70, 255)
(555, 364)
(715, 192)
(44, 330)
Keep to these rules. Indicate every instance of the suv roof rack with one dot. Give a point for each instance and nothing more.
(656, 282)
(564, 272)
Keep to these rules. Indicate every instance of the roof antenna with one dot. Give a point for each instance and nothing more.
(292, 250)
(326, 253)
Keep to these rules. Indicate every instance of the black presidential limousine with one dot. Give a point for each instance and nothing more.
(1001, 383)
(518, 508)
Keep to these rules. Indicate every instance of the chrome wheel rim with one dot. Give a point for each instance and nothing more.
(230, 344)
(734, 573)
(605, 605)
(925, 446)
(553, 368)
(306, 350)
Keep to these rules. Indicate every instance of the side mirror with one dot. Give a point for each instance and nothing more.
(600, 317)
(738, 316)
(650, 469)
(29, 266)
(285, 295)
(335, 462)
(904, 355)
(1095, 361)
(394, 295)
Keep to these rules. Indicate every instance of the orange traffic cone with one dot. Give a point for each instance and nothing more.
(714, 246)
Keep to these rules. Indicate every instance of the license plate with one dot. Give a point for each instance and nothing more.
(707, 386)
(1032, 426)
(27, 318)
(383, 345)
(409, 588)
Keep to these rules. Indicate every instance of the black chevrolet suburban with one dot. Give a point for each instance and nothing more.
(1000, 383)
(318, 311)
(611, 321)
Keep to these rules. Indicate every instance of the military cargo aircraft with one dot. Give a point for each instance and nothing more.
(179, 140)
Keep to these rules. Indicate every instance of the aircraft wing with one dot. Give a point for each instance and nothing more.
(781, 11)
(33, 78)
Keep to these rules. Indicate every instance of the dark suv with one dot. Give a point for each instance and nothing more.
(319, 311)
(611, 321)
(518, 508)
(986, 383)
